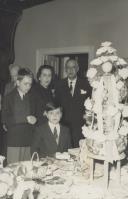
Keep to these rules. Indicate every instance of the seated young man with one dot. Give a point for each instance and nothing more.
(51, 137)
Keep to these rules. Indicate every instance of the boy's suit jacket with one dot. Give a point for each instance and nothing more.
(14, 116)
(73, 106)
(44, 142)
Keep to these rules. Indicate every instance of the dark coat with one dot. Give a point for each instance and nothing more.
(73, 106)
(9, 87)
(14, 113)
(45, 96)
(44, 93)
(44, 142)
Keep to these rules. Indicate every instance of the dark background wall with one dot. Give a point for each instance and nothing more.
(8, 23)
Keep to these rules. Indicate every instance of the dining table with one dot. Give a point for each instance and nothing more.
(61, 177)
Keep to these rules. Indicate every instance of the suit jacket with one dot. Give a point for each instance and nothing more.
(9, 87)
(14, 116)
(73, 106)
(44, 142)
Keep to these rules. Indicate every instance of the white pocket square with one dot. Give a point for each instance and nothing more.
(53, 91)
(83, 91)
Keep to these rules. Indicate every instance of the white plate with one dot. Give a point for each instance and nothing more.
(74, 151)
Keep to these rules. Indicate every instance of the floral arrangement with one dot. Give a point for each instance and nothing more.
(17, 181)
(106, 112)
(16, 186)
(7, 183)
(31, 179)
(106, 56)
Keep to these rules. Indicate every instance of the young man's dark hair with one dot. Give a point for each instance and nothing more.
(50, 106)
(24, 72)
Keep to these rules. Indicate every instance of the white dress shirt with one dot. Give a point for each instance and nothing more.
(21, 94)
(52, 126)
(73, 82)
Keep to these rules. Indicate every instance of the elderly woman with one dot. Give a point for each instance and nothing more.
(44, 88)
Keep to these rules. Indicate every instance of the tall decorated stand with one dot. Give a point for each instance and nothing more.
(106, 112)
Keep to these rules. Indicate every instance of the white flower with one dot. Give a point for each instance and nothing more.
(10, 191)
(86, 130)
(125, 111)
(95, 84)
(23, 186)
(88, 104)
(91, 73)
(96, 62)
(111, 110)
(101, 50)
(121, 106)
(113, 58)
(3, 189)
(96, 108)
(111, 50)
(123, 73)
(106, 43)
(125, 123)
(2, 158)
(104, 58)
(123, 130)
(83, 92)
(107, 67)
(5, 177)
(118, 63)
(119, 84)
(121, 62)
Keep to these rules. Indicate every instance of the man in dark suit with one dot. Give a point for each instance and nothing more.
(71, 93)
(19, 115)
(51, 137)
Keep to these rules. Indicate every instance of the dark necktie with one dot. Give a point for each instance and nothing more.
(55, 133)
(71, 88)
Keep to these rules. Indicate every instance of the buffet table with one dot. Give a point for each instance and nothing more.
(53, 178)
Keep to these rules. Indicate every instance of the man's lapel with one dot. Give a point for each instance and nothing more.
(17, 94)
(66, 87)
(52, 140)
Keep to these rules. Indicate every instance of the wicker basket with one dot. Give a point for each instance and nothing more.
(32, 169)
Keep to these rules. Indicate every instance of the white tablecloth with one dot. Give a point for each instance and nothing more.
(65, 181)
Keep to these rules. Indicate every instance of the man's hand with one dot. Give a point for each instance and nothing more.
(31, 119)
